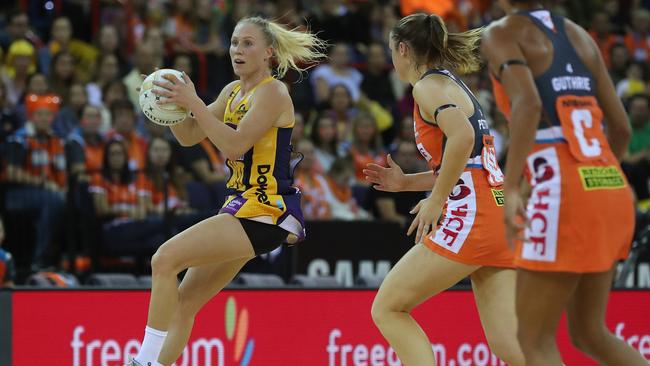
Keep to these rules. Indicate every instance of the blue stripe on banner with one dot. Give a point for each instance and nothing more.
(248, 353)
(479, 166)
(550, 141)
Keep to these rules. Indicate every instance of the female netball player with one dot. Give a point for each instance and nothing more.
(250, 123)
(452, 134)
(580, 214)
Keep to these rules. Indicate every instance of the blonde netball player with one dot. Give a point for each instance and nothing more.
(250, 123)
(465, 180)
(580, 212)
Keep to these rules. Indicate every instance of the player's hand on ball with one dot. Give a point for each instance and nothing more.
(176, 91)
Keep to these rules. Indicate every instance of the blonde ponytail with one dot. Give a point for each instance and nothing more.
(292, 48)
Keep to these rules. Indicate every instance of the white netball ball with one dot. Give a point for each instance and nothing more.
(162, 114)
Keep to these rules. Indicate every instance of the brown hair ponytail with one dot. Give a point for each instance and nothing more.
(436, 46)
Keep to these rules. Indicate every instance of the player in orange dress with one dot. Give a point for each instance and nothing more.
(465, 180)
(580, 215)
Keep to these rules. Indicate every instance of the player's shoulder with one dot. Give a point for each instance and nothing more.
(275, 91)
(433, 86)
(506, 27)
(227, 90)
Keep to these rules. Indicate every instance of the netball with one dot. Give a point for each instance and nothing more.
(167, 114)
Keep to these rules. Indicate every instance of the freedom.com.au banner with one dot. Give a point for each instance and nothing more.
(271, 328)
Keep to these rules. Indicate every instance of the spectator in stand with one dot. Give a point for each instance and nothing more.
(124, 118)
(62, 73)
(366, 146)
(298, 132)
(183, 62)
(342, 110)
(20, 64)
(62, 40)
(36, 171)
(205, 162)
(109, 44)
(111, 93)
(377, 84)
(637, 162)
(163, 178)
(144, 65)
(37, 84)
(84, 151)
(108, 70)
(206, 36)
(337, 71)
(325, 139)
(18, 28)
(396, 206)
(9, 120)
(160, 175)
(330, 20)
(601, 32)
(338, 192)
(309, 179)
(85, 145)
(7, 265)
(154, 37)
(634, 81)
(125, 228)
(405, 133)
(637, 38)
(68, 118)
(179, 27)
(619, 58)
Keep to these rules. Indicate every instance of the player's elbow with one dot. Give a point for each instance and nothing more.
(232, 152)
(465, 137)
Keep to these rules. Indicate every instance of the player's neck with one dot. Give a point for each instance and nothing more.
(248, 82)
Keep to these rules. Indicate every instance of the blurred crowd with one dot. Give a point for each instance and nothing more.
(83, 172)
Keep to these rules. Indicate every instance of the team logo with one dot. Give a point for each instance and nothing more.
(460, 191)
(542, 170)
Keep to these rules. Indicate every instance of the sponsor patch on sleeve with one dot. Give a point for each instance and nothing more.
(597, 177)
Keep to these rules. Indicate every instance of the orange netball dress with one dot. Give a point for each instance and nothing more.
(471, 230)
(580, 212)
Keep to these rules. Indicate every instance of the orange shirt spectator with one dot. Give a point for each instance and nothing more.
(123, 115)
(309, 181)
(115, 192)
(637, 39)
(601, 32)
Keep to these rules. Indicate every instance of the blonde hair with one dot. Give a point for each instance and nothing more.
(292, 48)
(456, 51)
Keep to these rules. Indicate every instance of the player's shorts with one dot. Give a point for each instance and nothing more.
(471, 230)
(264, 237)
(581, 214)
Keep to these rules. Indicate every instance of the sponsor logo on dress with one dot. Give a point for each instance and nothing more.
(600, 177)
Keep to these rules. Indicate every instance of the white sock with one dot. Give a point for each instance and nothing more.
(151, 346)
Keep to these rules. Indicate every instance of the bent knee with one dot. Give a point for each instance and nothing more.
(508, 350)
(163, 262)
(382, 308)
(588, 338)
